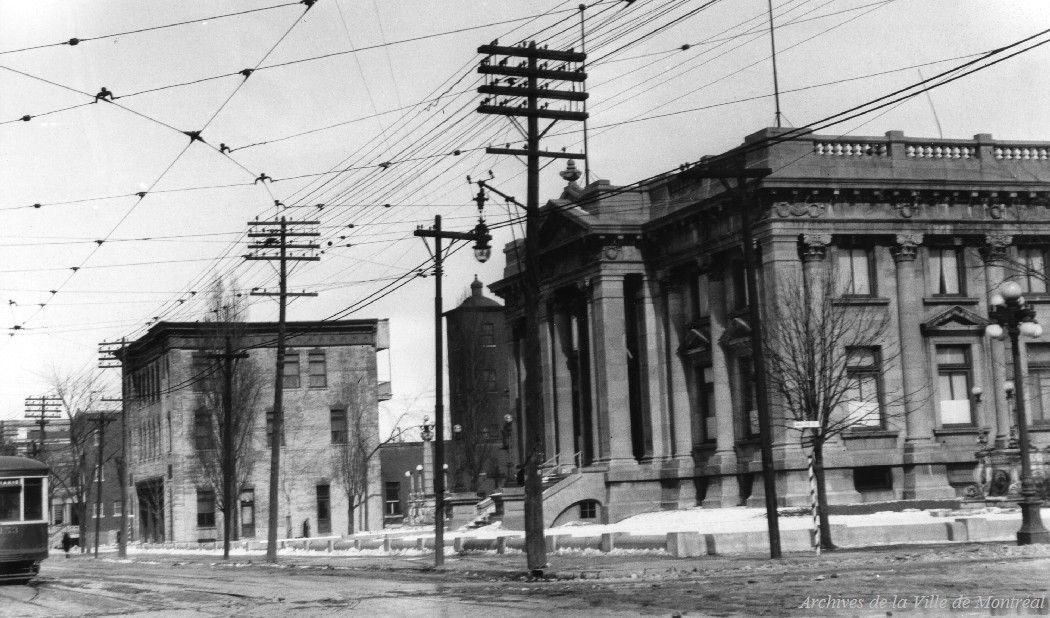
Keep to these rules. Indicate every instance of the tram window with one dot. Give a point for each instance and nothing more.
(10, 495)
(34, 499)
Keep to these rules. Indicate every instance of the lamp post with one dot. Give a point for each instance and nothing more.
(1011, 316)
(482, 251)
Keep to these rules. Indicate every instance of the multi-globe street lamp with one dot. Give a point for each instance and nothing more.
(1011, 317)
(482, 251)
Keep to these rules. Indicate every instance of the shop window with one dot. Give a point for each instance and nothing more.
(953, 384)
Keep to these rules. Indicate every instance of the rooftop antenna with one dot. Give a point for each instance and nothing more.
(776, 85)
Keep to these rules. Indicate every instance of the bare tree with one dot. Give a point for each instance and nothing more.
(71, 470)
(225, 325)
(358, 444)
(825, 361)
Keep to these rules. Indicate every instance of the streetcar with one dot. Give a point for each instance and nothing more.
(23, 518)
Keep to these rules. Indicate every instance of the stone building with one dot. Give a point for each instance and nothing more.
(331, 397)
(645, 332)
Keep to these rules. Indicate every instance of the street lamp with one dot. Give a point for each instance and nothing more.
(482, 252)
(1011, 316)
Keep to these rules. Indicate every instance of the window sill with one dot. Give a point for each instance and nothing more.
(960, 430)
(860, 301)
(950, 300)
(855, 434)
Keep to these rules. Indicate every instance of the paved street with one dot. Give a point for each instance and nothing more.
(961, 580)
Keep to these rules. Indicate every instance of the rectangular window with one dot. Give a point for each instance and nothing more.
(58, 514)
(953, 384)
(96, 509)
(324, 510)
(1037, 387)
(318, 370)
(33, 500)
(488, 335)
(291, 370)
(748, 402)
(1032, 263)
(269, 428)
(490, 380)
(862, 400)
(739, 281)
(706, 404)
(203, 437)
(248, 513)
(205, 508)
(98, 475)
(338, 420)
(201, 373)
(854, 268)
(946, 272)
(701, 297)
(118, 508)
(392, 498)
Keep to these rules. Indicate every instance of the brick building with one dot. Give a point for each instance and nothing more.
(331, 396)
(645, 332)
(480, 453)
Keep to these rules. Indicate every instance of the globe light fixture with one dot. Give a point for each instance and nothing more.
(1010, 315)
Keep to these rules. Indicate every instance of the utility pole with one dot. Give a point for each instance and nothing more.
(111, 356)
(275, 247)
(229, 461)
(481, 251)
(42, 409)
(523, 100)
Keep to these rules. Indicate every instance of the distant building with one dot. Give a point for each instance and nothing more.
(331, 396)
(645, 332)
(480, 452)
(101, 430)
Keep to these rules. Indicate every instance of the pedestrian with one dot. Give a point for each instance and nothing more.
(67, 542)
(306, 528)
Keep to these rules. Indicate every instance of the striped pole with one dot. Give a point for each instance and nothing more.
(815, 506)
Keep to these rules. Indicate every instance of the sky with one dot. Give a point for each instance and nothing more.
(355, 109)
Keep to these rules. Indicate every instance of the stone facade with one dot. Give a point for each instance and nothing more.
(645, 332)
(335, 377)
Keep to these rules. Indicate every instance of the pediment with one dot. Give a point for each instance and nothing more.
(737, 335)
(558, 229)
(696, 341)
(954, 320)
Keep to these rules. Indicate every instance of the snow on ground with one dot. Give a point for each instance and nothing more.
(735, 519)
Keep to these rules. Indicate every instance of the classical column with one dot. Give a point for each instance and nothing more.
(919, 422)
(550, 431)
(994, 258)
(723, 490)
(813, 251)
(677, 386)
(651, 374)
(594, 357)
(611, 369)
(563, 383)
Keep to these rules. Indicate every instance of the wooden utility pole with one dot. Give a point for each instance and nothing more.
(111, 356)
(42, 409)
(229, 460)
(275, 247)
(515, 101)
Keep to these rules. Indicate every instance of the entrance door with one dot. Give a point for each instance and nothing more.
(248, 513)
(151, 510)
